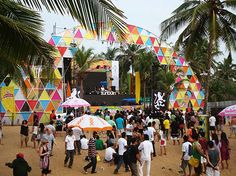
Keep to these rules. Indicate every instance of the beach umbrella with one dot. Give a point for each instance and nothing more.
(230, 111)
(90, 123)
(75, 103)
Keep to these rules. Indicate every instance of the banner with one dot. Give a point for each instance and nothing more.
(137, 87)
(159, 100)
(7, 98)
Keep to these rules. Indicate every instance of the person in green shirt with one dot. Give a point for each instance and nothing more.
(99, 144)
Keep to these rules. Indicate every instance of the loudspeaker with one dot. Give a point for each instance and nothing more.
(113, 88)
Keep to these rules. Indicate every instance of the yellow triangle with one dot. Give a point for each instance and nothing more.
(193, 101)
(90, 35)
(12, 84)
(192, 85)
(168, 52)
(163, 62)
(105, 35)
(179, 96)
(67, 34)
(155, 44)
(182, 93)
(57, 74)
(144, 38)
(45, 118)
(199, 96)
(67, 40)
(44, 96)
(135, 37)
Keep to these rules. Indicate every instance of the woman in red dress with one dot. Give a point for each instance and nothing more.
(224, 150)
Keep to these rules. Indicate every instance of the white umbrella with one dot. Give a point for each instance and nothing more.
(90, 123)
(75, 103)
(230, 111)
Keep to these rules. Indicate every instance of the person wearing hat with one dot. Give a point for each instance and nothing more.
(44, 157)
(19, 165)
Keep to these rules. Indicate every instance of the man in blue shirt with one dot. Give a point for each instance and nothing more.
(120, 123)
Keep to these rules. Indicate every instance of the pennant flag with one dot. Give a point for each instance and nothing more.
(19, 104)
(50, 107)
(78, 34)
(68, 91)
(56, 39)
(56, 96)
(51, 42)
(32, 104)
(44, 96)
(62, 50)
(44, 103)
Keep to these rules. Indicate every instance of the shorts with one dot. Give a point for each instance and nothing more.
(184, 164)
(24, 138)
(211, 172)
(58, 128)
(162, 142)
(120, 131)
(34, 137)
(212, 128)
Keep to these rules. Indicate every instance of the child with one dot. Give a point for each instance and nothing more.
(224, 150)
(163, 140)
(69, 148)
(186, 149)
(34, 133)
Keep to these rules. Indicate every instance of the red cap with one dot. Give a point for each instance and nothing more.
(20, 155)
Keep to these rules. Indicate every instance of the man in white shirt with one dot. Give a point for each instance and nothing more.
(84, 143)
(77, 132)
(122, 146)
(109, 152)
(151, 134)
(186, 146)
(146, 151)
(69, 148)
(212, 124)
(129, 131)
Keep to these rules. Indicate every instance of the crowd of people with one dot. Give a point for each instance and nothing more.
(136, 137)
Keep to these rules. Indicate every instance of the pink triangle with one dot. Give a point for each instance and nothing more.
(78, 34)
(56, 96)
(181, 60)
(160, 58)
(111, 38)
(51, 42)
(178, 79)
(39, 114)
(19, 104)
(198, 86)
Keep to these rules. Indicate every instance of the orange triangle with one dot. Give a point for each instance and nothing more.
(135, 31)
(163, 50)
(27, 83)
(50, 107)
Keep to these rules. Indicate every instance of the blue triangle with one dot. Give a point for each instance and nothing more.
(148, 42)
(172, 97)
(44, 103)
(160, 53)
(50, 86)
(177, 62)
(56, 39)
(2, 84)
(73, 50)
(25, 116)
(189, 93)
(189, 72)
(139, 30)
(2, 108)
(59, 109)
(202, 94)
(15, 91)
(199, 101)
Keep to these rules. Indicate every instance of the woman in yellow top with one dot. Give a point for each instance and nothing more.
(166, 124)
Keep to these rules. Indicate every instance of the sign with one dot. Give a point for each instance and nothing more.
(108, 93)
(159, 100)
(7, 98)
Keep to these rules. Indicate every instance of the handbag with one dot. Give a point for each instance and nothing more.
(194, 162)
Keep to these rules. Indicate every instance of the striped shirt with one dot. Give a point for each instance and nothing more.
(92, 148)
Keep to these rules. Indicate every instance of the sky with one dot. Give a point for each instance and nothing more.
(147, 14)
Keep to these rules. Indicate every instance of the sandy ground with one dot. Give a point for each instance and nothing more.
(165, 165)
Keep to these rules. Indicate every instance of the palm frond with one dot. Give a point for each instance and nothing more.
(93, 14)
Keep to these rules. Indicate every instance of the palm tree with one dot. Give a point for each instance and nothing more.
(84, 58)
(21, 28)
(129, 53)
(212, 20)
(110, 54)
(21, 45)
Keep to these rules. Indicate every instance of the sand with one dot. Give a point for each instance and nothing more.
(161, 165)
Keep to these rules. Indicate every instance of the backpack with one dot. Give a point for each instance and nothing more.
(190, 150)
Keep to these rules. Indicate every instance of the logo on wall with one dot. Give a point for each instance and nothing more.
(159, 100)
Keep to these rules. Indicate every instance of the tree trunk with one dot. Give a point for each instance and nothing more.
(81, 88)
(209, 58)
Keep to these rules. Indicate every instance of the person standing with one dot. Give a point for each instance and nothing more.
(19, 165)
(213, 160)
(53, 115)
(120, 123)
(129, 131)
(224, 150)
(186, 149)
(24, 132)
(166, 124)
(151, 134)
(69, 148)
(146, 151)
(44, 157)
(35, 117)
(92, 153)
(122, 146)
(35, 131)
(49, 136)
(212, 124)
(133, 157)
(77, 132)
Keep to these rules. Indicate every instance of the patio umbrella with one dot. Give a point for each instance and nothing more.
(229, 111)
(90, 123)
(75, 103)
